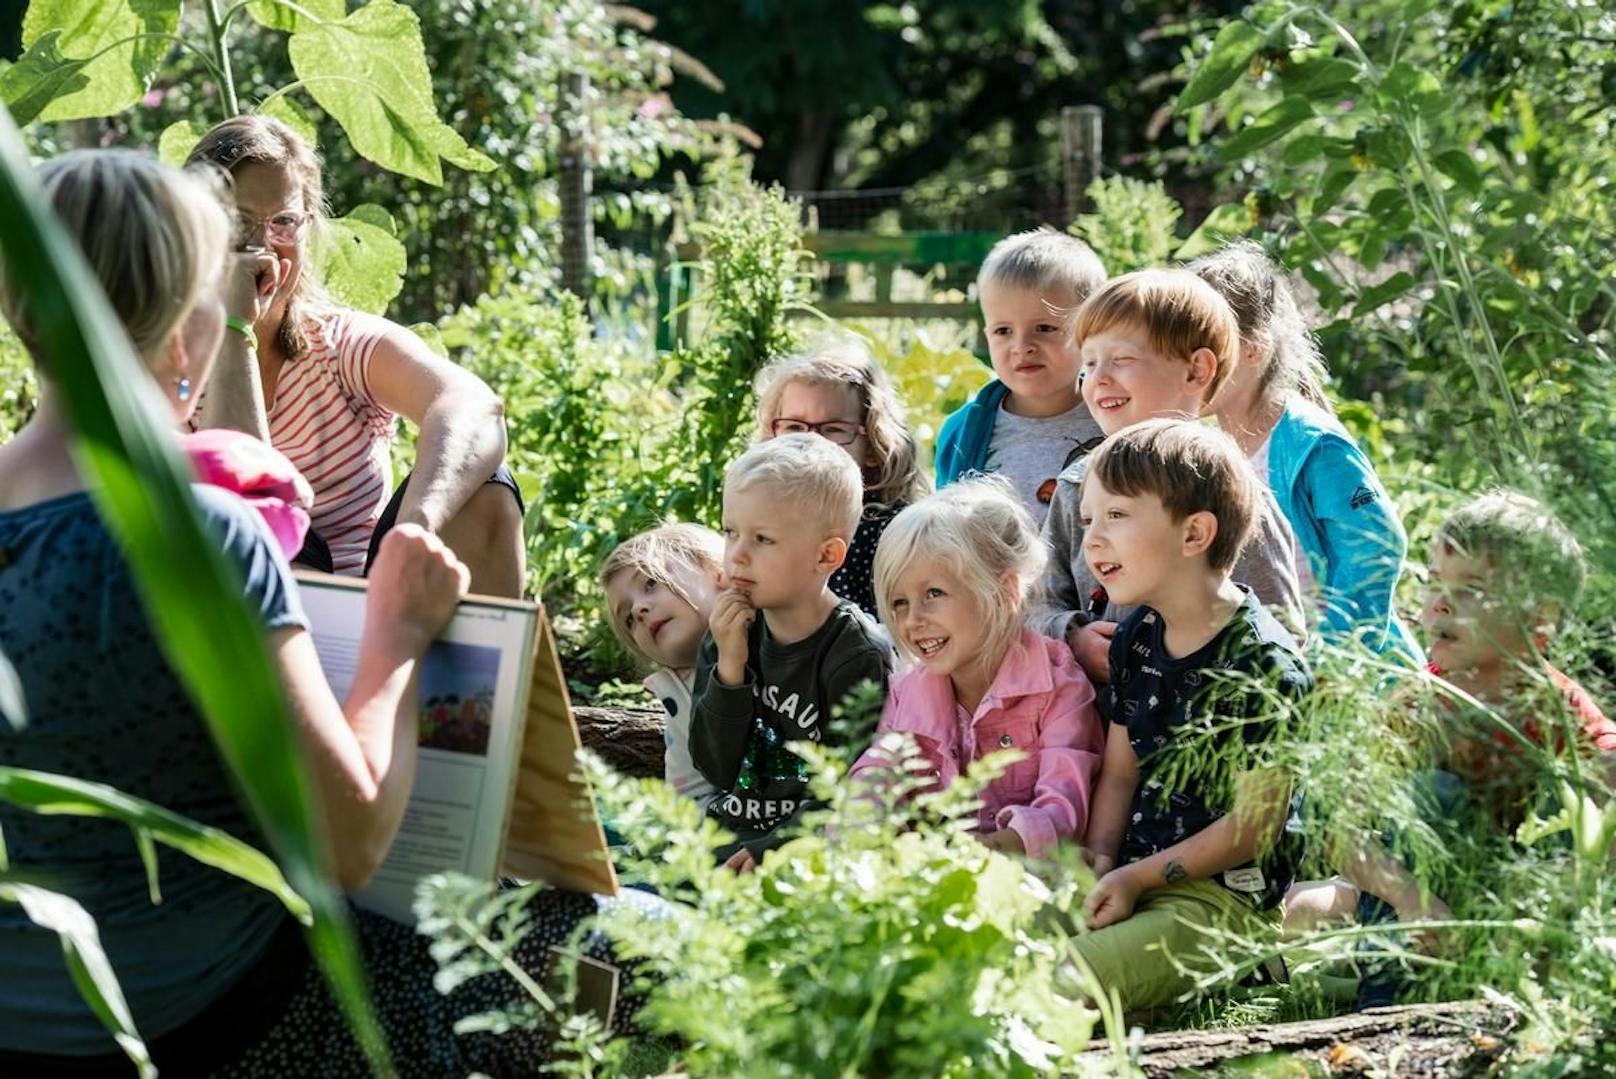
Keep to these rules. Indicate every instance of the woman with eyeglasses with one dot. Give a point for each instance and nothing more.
(323, 384)
(837, 391)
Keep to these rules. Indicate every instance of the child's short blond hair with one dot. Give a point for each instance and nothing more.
(1177, 311)
(154, 237)
(1507, 529)
(1192, 468)
(658, 555)
(981, 531)
(1045, 261)
(812, 479)
(845, 360)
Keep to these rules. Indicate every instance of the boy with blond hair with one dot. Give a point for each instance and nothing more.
(1029, 422)
(1200, 673)
(1154, 344)
(781, 651)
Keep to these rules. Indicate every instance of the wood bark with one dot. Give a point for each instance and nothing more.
(1453, 1039)
(628, 739)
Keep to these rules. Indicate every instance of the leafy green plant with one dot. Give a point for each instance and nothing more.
(139, 482)
(366, 69)
(1132, 224)
(884, 941)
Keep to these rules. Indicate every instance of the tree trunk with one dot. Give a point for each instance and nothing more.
(628, 739)
(1461, 1038)
(809, 151)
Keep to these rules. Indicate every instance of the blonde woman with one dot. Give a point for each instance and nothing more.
(324, 384)
(837, 391)
(216, 976)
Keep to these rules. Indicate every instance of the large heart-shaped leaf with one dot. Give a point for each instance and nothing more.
(121, 41)
(369, 72)
(278, 15)
(39, 77)
(177, 141)
(360, 259)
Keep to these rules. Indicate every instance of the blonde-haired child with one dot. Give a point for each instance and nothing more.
(836, 390)
(1030, 421)
(660, 590)
(1350, 541)
(953, 575)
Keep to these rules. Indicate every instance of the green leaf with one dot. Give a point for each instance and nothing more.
(280, 16)
(1321, 76)
(1305, 148)
(1331, 185)
(1415, 88)
(293, 115)
(1388, 290)
(141, 486)
(86, 962)
(1268, 126)
(360, 259)
(1459, 167)
(1226, 222)
(369, 72)
(39, 77)
(53, 795)
(123, 42)
(177, 141)
(1232, 51)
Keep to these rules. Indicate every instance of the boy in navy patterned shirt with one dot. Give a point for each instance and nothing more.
(1185, 825)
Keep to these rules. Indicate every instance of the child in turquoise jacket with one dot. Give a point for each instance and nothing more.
(1351, 542)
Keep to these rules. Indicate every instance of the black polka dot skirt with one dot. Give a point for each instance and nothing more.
(311, 1037)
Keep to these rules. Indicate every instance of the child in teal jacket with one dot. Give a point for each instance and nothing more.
(1351, 542)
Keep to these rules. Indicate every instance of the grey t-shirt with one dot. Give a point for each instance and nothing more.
(1267, 566)
(1031, 451)
(104, 705)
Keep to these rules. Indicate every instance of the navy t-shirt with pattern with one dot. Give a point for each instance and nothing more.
(1217, 704)
(854, 580)
(104, 705)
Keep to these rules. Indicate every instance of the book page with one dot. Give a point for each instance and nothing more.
(472, 710)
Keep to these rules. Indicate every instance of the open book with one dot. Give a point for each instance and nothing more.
(494, 790)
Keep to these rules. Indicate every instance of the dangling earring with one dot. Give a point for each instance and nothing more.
(182, 388)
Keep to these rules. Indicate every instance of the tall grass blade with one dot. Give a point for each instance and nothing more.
(193, 595)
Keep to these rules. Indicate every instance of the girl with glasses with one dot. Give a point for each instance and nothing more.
(837, 391)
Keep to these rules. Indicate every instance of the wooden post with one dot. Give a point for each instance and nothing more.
(1080, 155)
(577, 220)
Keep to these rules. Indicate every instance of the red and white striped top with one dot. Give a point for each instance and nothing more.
(326, 422)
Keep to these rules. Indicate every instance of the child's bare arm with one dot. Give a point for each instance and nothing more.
(1369, 868)
(1261, 801)
(1108, 816)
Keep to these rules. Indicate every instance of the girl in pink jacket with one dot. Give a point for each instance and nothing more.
(952, 577)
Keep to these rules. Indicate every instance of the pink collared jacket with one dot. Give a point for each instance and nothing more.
(1040, 702)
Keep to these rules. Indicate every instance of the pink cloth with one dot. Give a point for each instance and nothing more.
(260, 474)
(1041, 703)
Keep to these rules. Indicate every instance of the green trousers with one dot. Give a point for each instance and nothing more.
(1159, 953)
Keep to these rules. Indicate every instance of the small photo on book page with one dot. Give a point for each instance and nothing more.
(459, 683)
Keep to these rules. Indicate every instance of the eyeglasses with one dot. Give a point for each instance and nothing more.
(281, 228)
(841, 432)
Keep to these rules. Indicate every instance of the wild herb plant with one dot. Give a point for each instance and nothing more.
(883, 940)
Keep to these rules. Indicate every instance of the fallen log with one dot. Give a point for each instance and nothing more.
(1453, 1039)
(627, 739)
